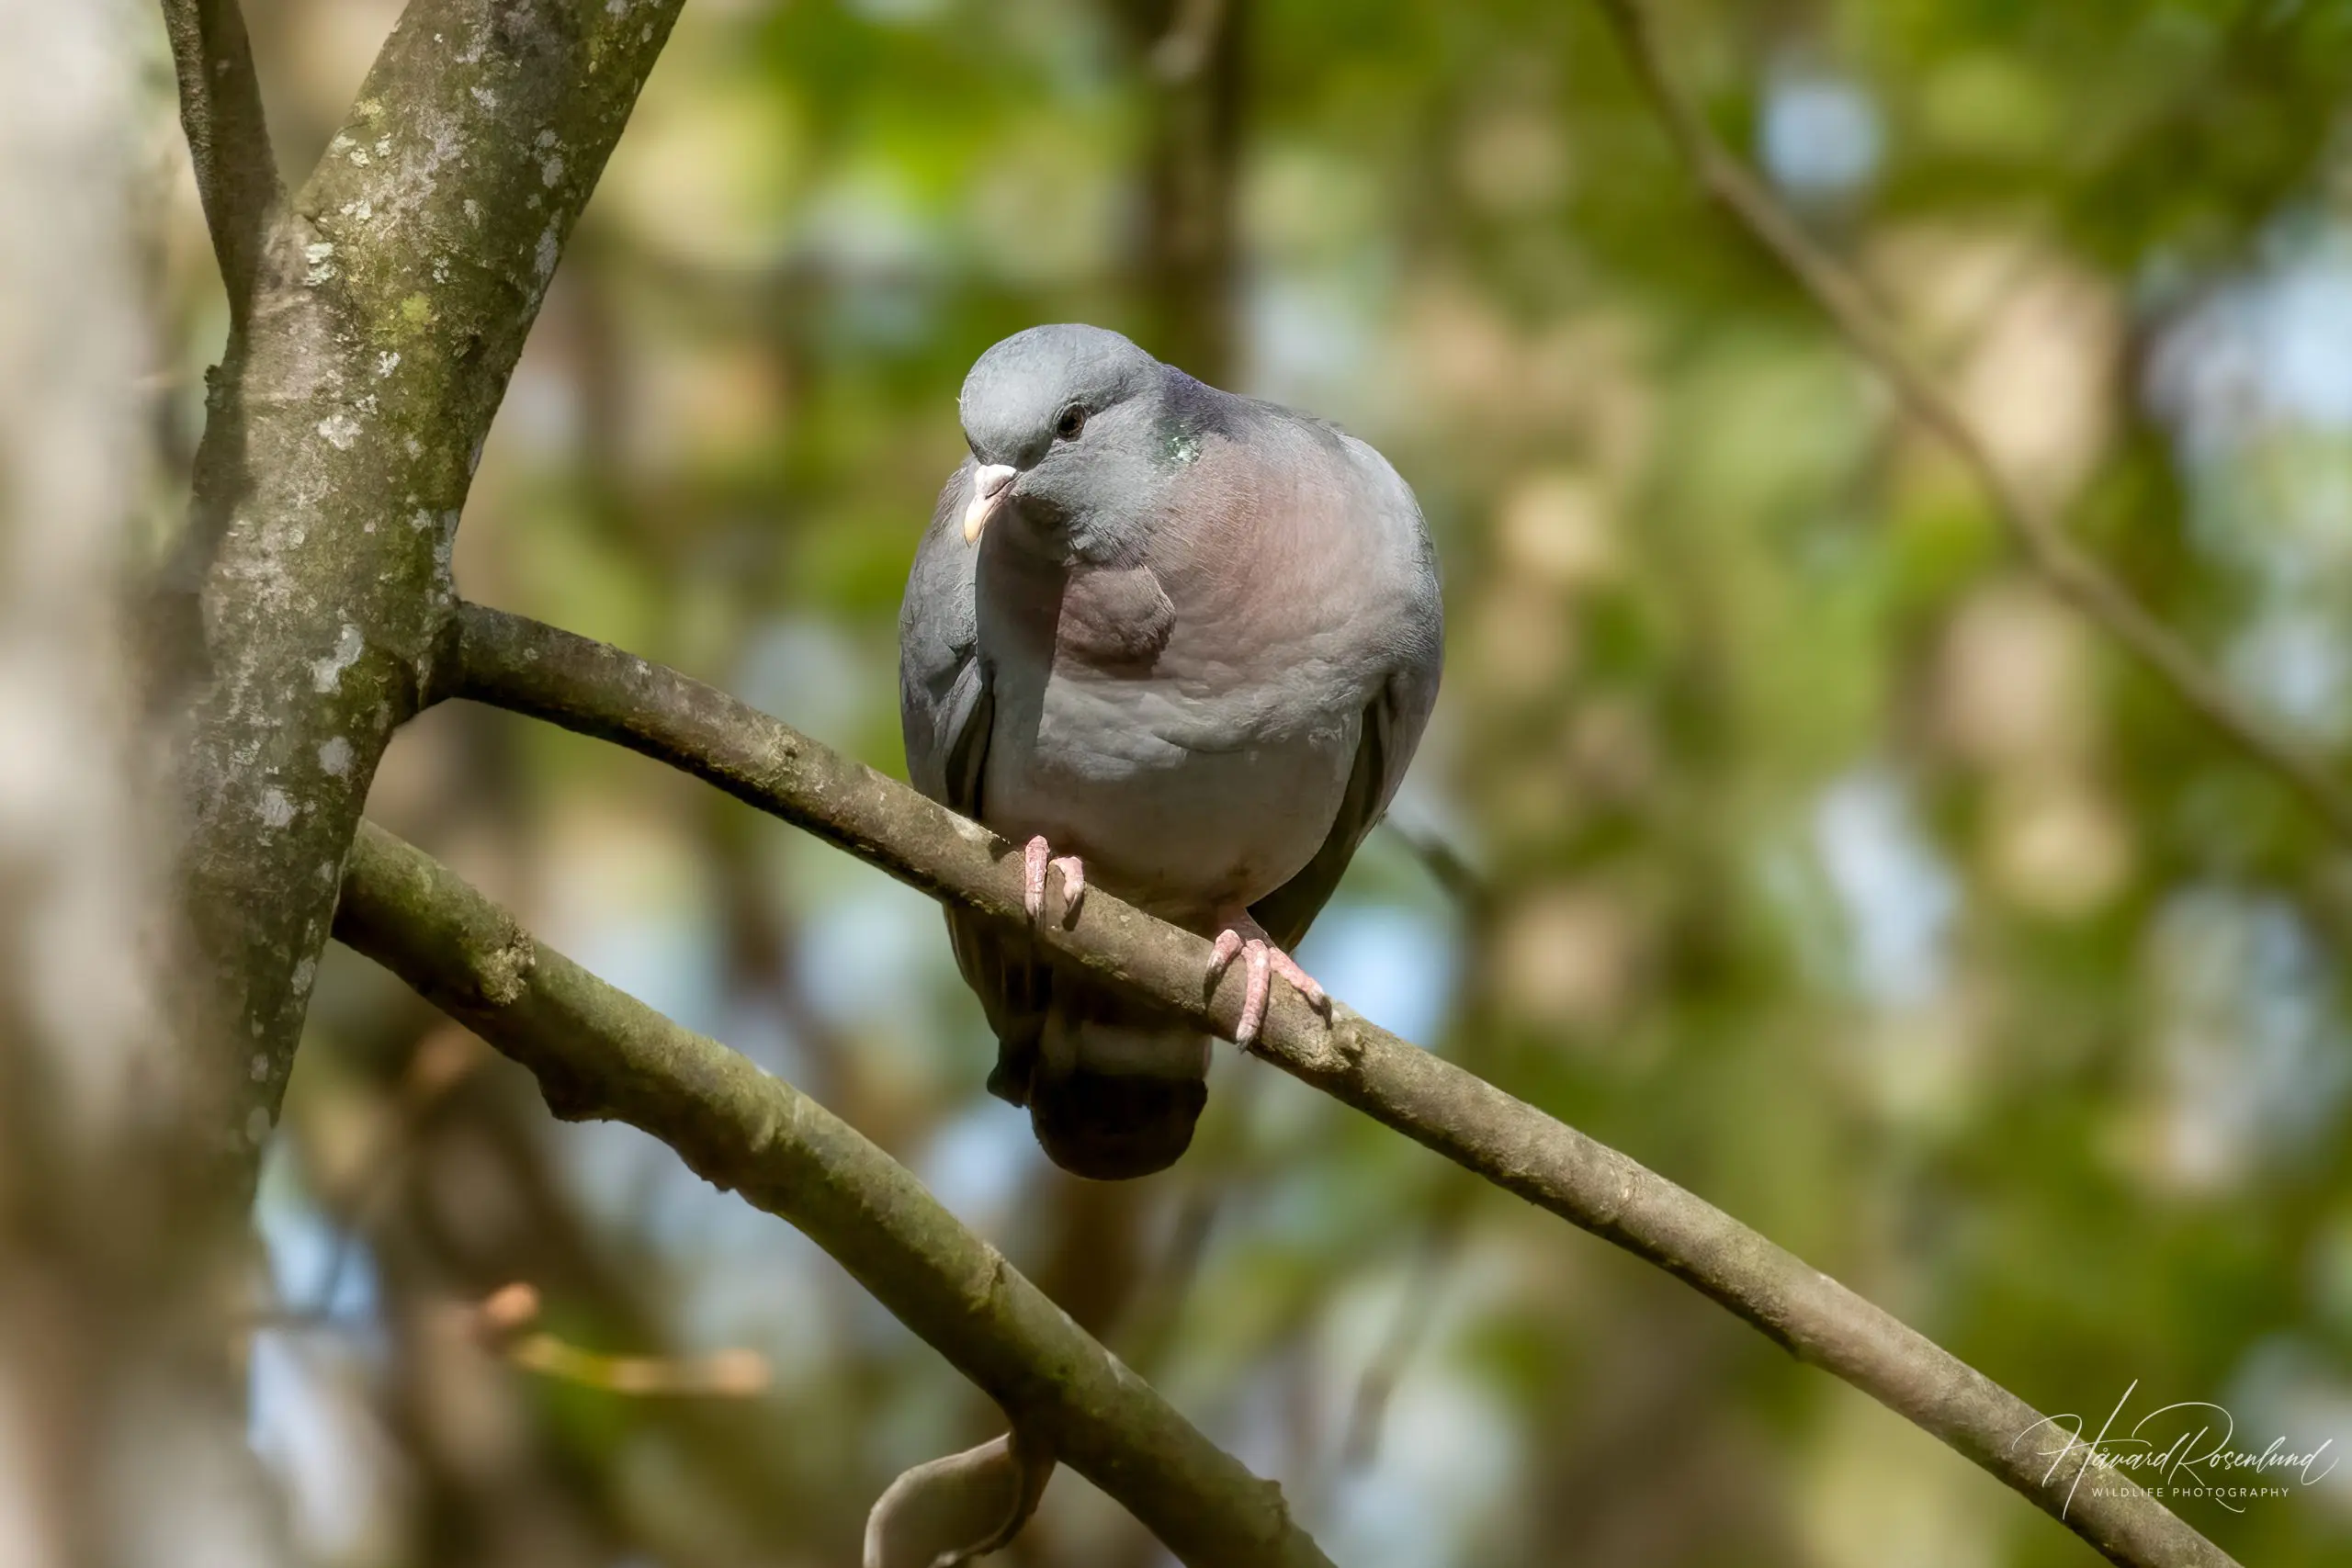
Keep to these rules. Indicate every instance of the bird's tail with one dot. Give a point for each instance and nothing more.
(1114, 1086)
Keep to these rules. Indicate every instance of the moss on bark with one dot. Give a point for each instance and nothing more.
(388, 302)
(601, 1054)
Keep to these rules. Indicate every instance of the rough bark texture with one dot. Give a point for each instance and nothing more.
(600, 691)
(600, 1054)
(389, 300)
(228, 139)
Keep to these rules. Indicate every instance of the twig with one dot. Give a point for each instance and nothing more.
(516, 663)
(1447, 865)
(950, 1500)
(2030, 523)
(236, 172)
(503, 1320)
(598, 1052)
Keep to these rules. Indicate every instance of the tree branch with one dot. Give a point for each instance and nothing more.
(236, 172)
(2031, 523)
(955, 1511)
(600, 1054)
(597, 690)
(341, 436)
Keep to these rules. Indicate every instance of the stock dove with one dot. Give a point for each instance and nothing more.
(1178, 642)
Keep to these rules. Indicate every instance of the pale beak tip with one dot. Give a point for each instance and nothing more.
(989, 485)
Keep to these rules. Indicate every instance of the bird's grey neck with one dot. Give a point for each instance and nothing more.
(1190, 413)
(1041, 550)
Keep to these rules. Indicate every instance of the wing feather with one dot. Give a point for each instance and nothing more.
(942, 687)
(1394, 719)
(946, 710)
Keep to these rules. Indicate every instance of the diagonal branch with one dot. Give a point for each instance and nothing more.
(2031, 524)
(515, 663)
(236, 172)
(599, 1052)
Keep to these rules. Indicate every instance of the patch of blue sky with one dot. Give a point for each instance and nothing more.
(1898, 895)
(1818, 135)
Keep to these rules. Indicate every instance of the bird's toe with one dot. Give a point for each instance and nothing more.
(1037, 863)
(1243, 938)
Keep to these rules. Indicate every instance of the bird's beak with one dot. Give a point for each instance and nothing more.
(989, 481)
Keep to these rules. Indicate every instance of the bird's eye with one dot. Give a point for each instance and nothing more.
(1072, 420)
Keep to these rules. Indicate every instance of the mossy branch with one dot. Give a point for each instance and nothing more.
(598, 1052)
(513, 662)
(378, 314)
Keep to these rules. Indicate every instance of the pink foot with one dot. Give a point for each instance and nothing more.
(1035, 859)
(1261, 960)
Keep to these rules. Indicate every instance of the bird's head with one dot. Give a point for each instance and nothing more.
(1062, 421)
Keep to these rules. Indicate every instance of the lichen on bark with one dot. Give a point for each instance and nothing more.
(388, 302)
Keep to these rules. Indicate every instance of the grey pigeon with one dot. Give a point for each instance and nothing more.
(1176, 641)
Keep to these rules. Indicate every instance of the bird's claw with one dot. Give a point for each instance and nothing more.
(1037, 857)
(1261, 961)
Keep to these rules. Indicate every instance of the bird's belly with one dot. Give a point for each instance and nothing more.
(1123, 778)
